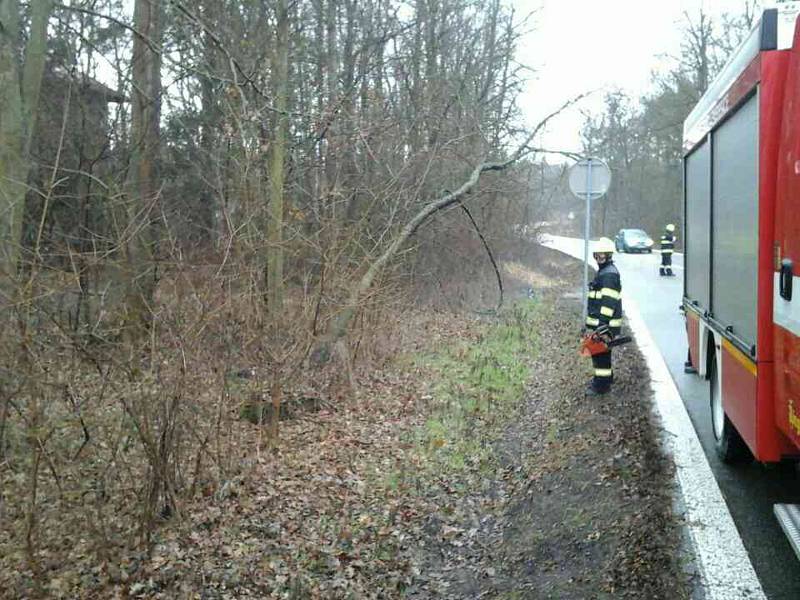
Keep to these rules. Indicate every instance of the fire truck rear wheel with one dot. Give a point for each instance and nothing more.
(729, 444)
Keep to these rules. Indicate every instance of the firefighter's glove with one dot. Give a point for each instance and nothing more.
(604, 333)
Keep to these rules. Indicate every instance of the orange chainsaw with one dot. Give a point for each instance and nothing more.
(600, 341)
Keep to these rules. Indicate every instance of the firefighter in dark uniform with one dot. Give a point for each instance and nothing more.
(667, 248)
(604, 312)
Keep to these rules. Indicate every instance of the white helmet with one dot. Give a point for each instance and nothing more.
(670, 227)
(603, 246)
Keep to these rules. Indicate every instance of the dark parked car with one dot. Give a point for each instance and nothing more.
(633, 240)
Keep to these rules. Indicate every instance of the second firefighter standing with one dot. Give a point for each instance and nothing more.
(604, 312)
(667, 248)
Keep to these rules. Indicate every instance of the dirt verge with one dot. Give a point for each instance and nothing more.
(582, 506)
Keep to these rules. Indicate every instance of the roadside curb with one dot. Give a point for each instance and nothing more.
(724, 566)
(725, 569)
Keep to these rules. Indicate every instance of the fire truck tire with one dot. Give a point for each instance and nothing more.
(729, 445)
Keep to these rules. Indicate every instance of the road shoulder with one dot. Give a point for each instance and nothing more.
(724, 573)
(579, 501)
(724, 567)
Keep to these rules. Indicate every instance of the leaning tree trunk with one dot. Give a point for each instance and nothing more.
(339, 326)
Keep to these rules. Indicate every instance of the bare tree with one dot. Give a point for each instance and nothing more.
(143, 186)
(300, 150)
(280, 83)
(19, 98)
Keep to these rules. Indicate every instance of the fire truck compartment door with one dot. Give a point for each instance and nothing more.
(734, 241)
(697, 240)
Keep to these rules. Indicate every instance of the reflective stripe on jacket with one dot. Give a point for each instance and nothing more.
(605, 299)
(667, 243)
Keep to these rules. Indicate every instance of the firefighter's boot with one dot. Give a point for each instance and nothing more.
(603, 374)
(669, 272)
(661, 271)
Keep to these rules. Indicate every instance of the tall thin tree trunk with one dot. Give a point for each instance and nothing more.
(212, 205)
(332, 86)
(416, 84)
(145, 147)
(431, 84)
(280, 84)
(18, 109)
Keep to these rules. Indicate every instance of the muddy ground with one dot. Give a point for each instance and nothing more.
(583, 506)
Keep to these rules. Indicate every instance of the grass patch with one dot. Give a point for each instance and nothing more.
(477, 385)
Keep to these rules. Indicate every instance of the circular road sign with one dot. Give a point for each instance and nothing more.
(589, 183)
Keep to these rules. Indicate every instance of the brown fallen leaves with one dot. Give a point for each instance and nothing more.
(330, 514)
(367, 497)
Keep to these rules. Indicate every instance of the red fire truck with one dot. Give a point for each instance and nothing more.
(742, 243)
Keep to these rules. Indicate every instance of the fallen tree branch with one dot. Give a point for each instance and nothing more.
(491, 256)
(339, 325)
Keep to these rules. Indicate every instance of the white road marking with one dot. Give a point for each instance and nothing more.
(725, 568)
(726, 572)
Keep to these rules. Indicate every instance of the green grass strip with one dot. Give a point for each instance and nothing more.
(477, 387)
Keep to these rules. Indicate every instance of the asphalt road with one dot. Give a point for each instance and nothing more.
(750, 491)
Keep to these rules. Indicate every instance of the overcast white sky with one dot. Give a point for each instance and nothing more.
(582, 45)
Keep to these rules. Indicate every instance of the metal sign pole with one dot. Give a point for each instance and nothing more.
(588, 185)
(586, 241)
